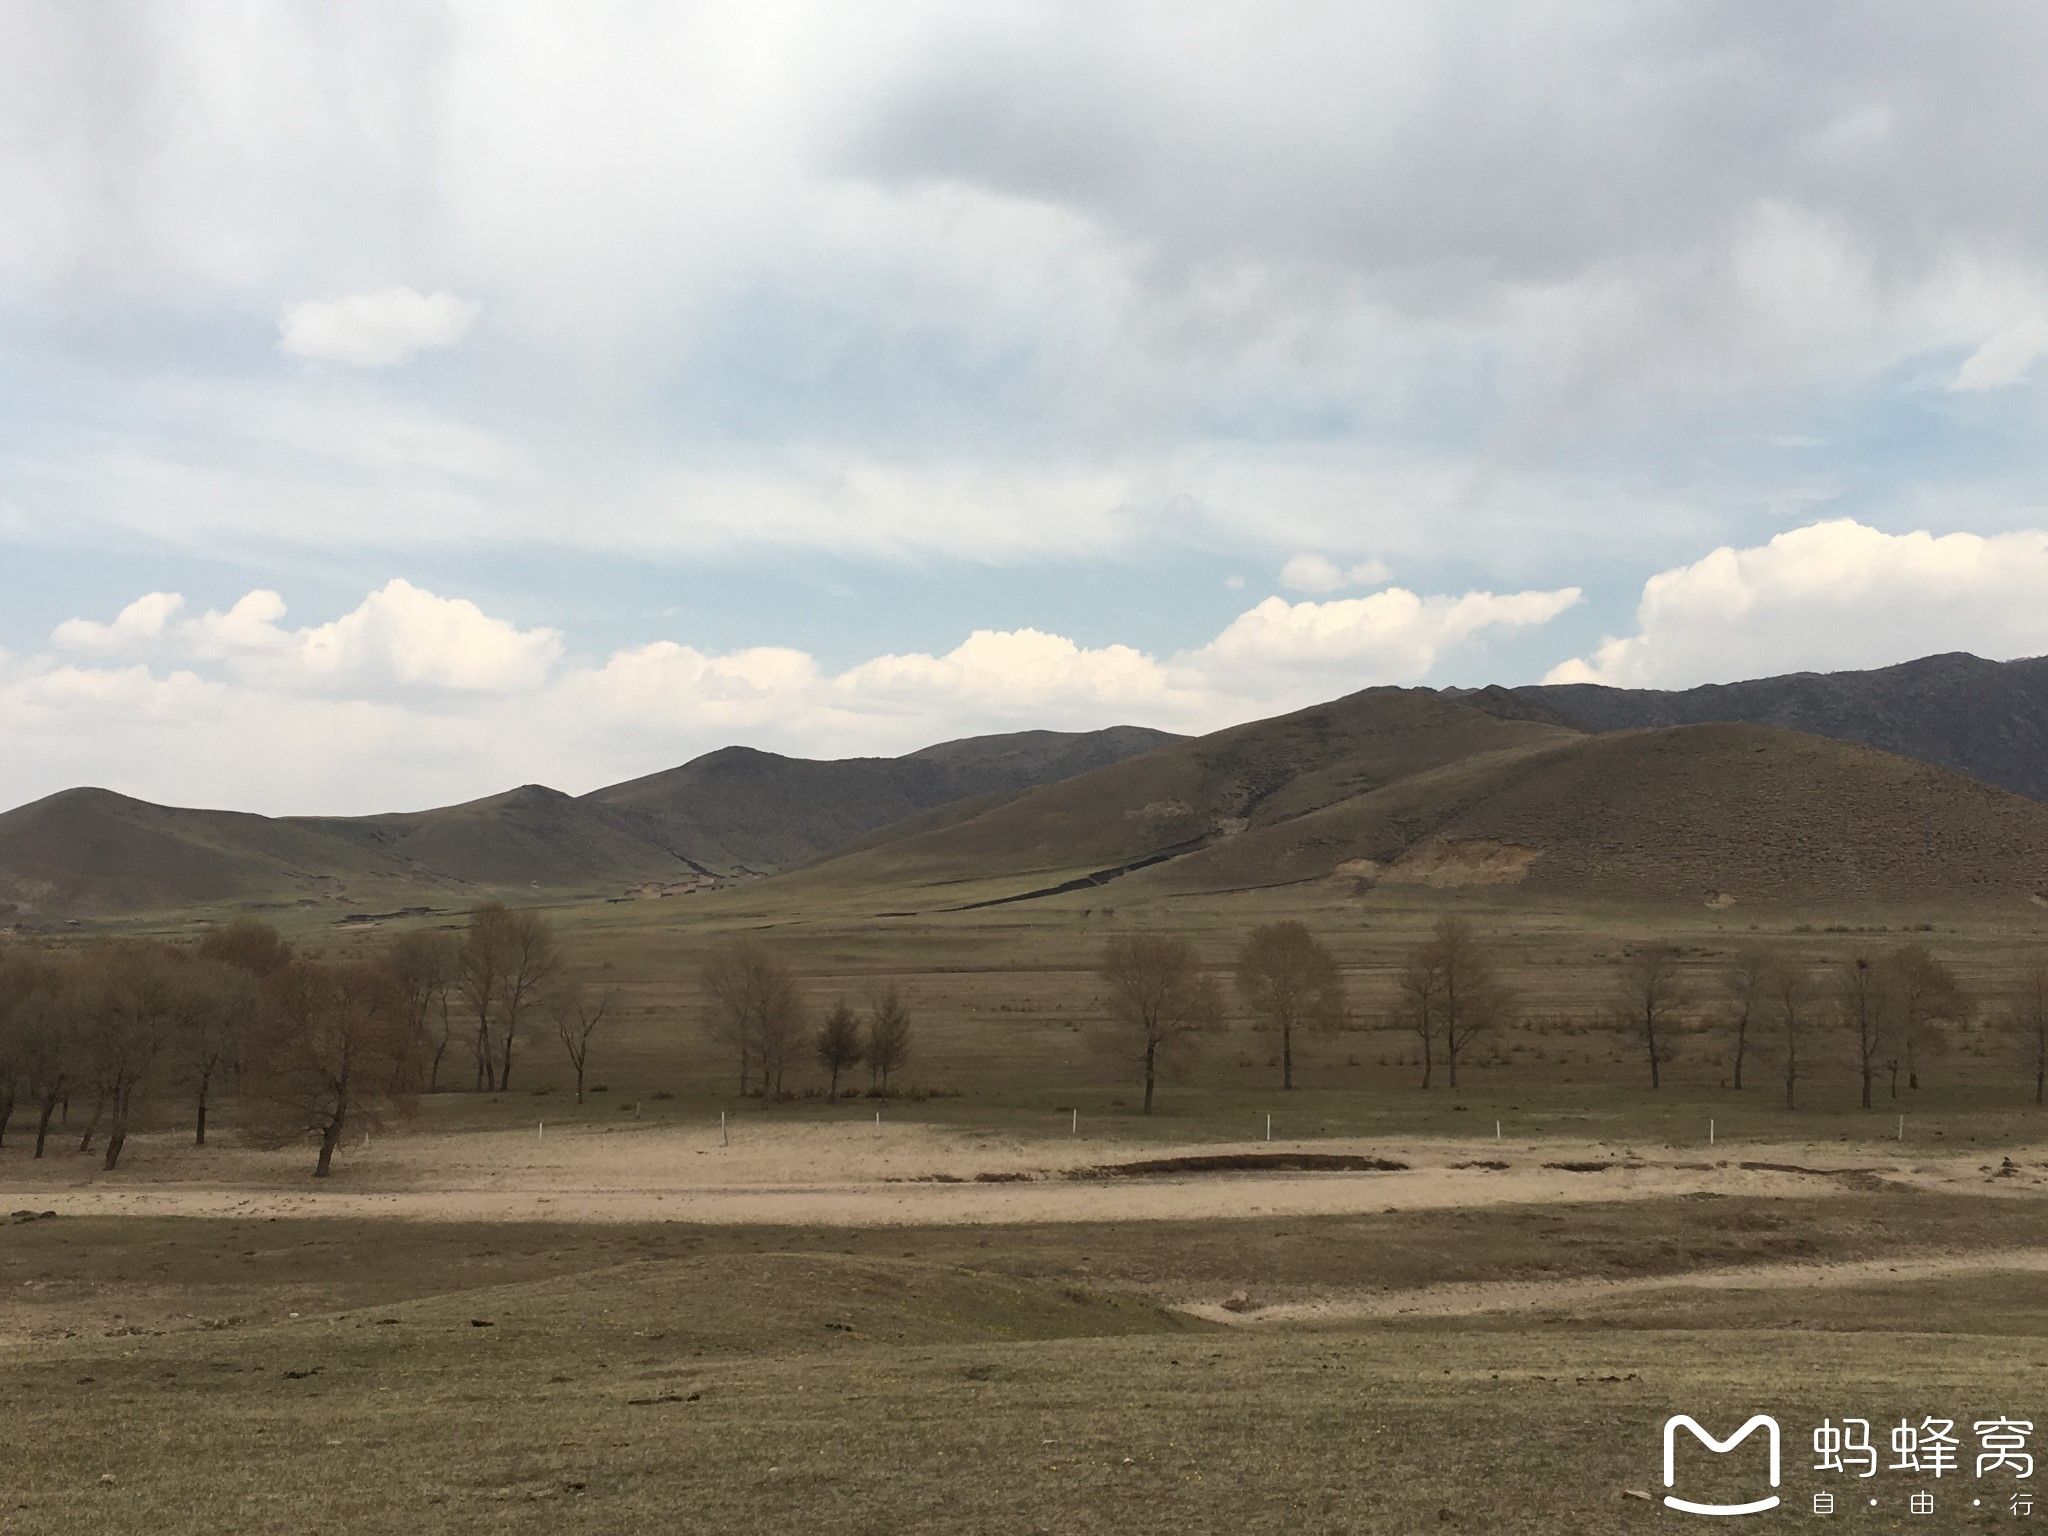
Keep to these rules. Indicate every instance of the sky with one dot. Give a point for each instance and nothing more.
(401, 402)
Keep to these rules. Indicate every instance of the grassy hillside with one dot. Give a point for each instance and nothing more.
(1391, 788)
(1183, 797)
(1988, 719)
(92, 853)
(1728, 813)
(89, 851)
(738, 811)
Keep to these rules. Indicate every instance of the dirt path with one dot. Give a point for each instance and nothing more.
(909, 1174)
(1540, 1295)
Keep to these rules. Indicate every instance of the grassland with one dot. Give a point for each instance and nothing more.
(654, 1379)
(636, 1328)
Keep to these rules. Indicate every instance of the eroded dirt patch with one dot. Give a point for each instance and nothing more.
(1243, 1162)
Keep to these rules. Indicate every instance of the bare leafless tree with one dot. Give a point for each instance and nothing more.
(1419, 985)
(214, 1020)
(887, 1044)
(136, 999)
(40, 1017)
(2026, 1015)
(840, 1047)
(337, 1051)
(756, 1009)
(426, 965)
(478, 982)
(578, 1013)
(1928, 998)
(1792, 991)
(1289, 980)
(26, 977)
(1450, 993)
(1158, 997)
(1865, 1004)
(1744, 983)
(249, 945)
(1650, 997)
(507, 960)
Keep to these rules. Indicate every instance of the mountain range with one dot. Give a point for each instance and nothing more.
(1413, 789)
(1928, 777)
(1988, 719)
(730, 814)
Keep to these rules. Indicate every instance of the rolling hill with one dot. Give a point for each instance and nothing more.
(88, 852)
(1579, 793)
(1193, 794)
(739, 811)
(94, 853)
(1988, 719)
(1393, 788)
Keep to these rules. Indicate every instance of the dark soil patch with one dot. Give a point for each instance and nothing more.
(1244, 1162)
(1590, 1167)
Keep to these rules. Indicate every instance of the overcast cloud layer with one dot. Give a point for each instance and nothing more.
(399, 402)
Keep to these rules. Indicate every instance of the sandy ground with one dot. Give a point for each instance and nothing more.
(910, 1174)
(1542, 1295)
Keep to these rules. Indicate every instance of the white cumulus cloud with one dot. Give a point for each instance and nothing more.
(399, 635)
(140, 622)
(1395, 636)
(1319, 573)
(1826, 597)
(374, 330)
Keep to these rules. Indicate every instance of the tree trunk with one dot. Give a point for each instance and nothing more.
(199, 1127)
(43, 1123)
(1650, 1038)
(1895, 1079)
(579, 1082)
(92, 1126)
(6, 1114)
(1286, 1057)
(1428, 1059)
(330, 1137)
(117, 1133)
(2040, 1083)
(1451, 1063)
(505, 1061)
(434, 1067)
(1741, 1045)
(1867, 1074)
(1151, 1054)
